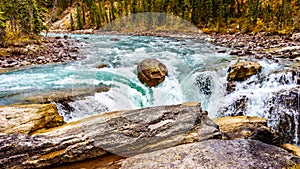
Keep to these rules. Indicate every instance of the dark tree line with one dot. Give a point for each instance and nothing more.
(33, 16)
(214, 15)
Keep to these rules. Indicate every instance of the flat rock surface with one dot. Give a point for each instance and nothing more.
(124, 133)
(28, 118)
(213, 154)
(249, 127)
(243, 70)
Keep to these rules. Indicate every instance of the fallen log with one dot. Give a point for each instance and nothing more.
(124, 133)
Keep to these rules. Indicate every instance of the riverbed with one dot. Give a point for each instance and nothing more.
(197, 73)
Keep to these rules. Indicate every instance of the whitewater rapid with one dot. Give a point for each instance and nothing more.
(197, 73)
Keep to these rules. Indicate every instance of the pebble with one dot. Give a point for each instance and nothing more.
(222, 51)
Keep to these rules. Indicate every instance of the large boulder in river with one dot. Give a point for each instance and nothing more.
(243, 70)
(247, 127)
(211, 154)
(151, 72)
(28, 118)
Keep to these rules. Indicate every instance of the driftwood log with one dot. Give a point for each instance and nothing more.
(124, 133)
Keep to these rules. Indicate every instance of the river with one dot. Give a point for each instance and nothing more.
(197, 72)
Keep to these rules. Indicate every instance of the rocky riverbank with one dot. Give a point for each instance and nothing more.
(43, 51)
(259, 46)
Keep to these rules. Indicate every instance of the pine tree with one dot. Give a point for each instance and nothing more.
(83, 14)
(196, 6)
(24, 17)
(2, 26)
(72, 26)
(38, 26)
(78, 16)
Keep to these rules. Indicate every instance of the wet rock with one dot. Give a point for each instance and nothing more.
(230, 86)
(243, 70)
(204, 83)
(221, 50)
(211, 154)
(151, 72)
(101, 66)
(114, 39)
(28, 118)
(236, 107)
(283, 110)
(247, 127)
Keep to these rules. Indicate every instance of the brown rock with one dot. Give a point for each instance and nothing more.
(213, 154)
(292, 148)
(108, 161)
(115, 39)
(243, 70)
(152, 72)
(246, 127)
(28, 118)
(101, 66)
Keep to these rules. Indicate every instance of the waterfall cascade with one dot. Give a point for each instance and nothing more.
(196, 73)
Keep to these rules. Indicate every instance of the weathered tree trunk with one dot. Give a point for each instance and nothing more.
(123, 133)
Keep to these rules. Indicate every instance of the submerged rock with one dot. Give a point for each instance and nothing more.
(28, 118)
(246, 127)
(151, 72)
(211, 154)
(243, 70)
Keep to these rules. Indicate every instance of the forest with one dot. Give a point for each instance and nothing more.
(31, 17)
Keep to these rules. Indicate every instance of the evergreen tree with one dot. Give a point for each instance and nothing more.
(72, 26)
(196, 6)
(2, 26)
(78, 16)
(83, 14)
(38, 26)
(24, 17)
